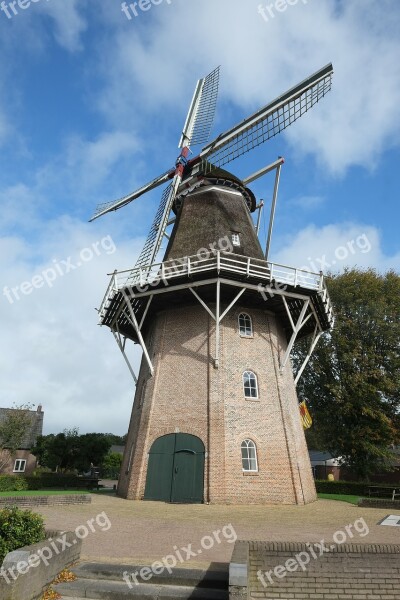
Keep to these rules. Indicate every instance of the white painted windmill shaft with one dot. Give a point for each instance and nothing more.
(225, 138)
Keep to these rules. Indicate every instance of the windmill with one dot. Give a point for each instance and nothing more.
(217, 321)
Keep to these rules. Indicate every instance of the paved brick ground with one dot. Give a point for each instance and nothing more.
(147, 531)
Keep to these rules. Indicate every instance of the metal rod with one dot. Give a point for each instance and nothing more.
(260, 208)
(273, 207)
(314, 342)
(195, 294)
(299, 325)
(136, 327)
(232, 304)
(122, 348)
(217, 324)
(264, 171)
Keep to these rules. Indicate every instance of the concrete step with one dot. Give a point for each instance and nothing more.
(106, 582)
(217, 577)
(96, 589)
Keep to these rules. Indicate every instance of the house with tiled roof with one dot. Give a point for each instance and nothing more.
(23, 461)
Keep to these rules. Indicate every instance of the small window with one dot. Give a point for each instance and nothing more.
(235, 239)
(249, 456)
(245, 325)
(250, 385)
(19, 466)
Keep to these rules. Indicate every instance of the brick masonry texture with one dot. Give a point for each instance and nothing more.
(32, 501)
(348, 572)
(188, 394)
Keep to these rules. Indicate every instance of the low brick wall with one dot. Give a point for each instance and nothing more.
(33, 501)
(272, 570)
(26, 572)
(379, 503)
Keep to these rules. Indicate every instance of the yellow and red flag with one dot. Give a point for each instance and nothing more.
(305, 415)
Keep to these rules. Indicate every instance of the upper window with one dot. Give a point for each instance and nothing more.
(249, 456)
(235, 239)
(19, 466)
(245, 325)
(250, 385)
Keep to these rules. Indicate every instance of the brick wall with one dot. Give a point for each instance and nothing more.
(32, 501)
(347, 572)
(188, 394)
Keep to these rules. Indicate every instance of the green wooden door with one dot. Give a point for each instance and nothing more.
(159, 470)
(176, 469)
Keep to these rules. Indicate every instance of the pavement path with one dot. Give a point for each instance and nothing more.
(135, 532)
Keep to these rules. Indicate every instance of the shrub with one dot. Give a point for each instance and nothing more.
(12, 483)
(19, 528)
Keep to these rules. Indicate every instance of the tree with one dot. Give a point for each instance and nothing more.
(93, 447)
(352, 382)
(69, 450)
(14, 428)
(58, 452)
(112, 465)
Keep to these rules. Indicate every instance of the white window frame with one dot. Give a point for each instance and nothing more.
(247, 326)
(247, 458)
(250, 375)
(22, 463)
(236, 239)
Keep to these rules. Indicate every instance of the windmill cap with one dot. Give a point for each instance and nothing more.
(209, 174)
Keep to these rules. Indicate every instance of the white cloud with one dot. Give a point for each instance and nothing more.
(69, 24)
(307, 202)
(92, 161)
(354, 125)
(334, 247)
(53, 352)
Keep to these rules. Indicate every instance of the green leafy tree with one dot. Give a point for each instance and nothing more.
(112, 465)
(93, 447)
(68, 450)
(58, 452)
(352, 382)
(14, 428)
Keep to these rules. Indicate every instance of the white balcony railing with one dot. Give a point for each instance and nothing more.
(222, 262)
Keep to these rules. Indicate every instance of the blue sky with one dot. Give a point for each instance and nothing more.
(92, 105)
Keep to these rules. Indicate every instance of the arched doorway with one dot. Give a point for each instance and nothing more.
(175, 472)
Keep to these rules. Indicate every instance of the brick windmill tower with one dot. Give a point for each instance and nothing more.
(215, 416)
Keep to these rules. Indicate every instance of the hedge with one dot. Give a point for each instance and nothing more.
(353, 488)
(12, 483)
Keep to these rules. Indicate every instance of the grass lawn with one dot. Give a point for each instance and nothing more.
(341, 497)
(43, 492)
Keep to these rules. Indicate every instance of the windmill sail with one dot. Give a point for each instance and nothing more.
(107, 207)
(154, 238)
(201, 113)
(270, 120)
